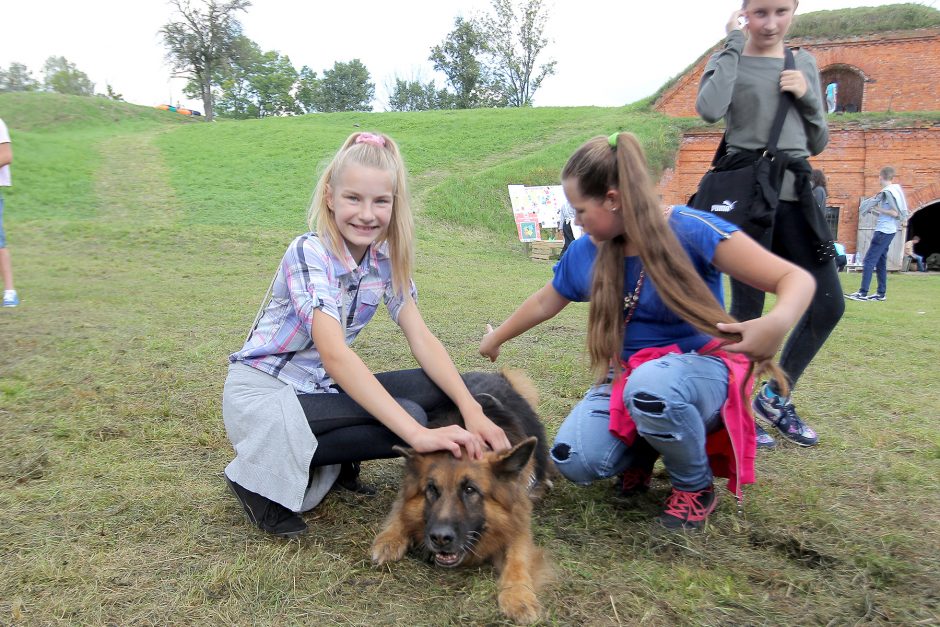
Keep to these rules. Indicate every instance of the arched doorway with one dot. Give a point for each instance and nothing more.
(926, 223)
(844, 86)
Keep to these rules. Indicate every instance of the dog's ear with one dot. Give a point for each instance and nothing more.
(404, 451)
(512, 462)
(488, 402)
(408, 453)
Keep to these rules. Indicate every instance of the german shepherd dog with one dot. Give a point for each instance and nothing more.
(468, 512)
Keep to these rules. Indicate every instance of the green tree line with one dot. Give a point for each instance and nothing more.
(489, 61)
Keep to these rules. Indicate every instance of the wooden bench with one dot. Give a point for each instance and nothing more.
(545, 251)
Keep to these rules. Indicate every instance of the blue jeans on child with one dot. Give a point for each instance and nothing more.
(876, 259)
(674, 401)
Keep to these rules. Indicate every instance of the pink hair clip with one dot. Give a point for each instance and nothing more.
(371, 138)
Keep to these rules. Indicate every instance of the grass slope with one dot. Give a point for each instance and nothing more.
(112, 508)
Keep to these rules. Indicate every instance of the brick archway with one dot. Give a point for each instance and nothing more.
(850, 82)
(923, 197)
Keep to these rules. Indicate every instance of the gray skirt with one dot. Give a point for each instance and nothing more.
(272, 439)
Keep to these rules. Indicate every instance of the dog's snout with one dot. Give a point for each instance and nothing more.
(442, 536)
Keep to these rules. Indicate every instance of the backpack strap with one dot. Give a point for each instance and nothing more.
(786, 99)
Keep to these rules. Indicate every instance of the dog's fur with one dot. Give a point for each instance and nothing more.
(467, 512)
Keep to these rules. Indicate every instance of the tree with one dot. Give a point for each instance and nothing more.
(63, 77)
(417, 96)
(345, 87)
(256, 84)
(458, 57)
(113, 95)
(514, 43)
(200, 45)
(17, 78)
(307, 84)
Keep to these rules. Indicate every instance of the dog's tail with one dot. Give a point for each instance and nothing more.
(521, 383)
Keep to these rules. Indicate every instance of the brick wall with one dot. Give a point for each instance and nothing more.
(901, 71)
(851, 163)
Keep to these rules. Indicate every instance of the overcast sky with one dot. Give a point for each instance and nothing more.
(609, 52)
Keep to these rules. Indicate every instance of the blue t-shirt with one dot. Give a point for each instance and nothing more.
(652, 324)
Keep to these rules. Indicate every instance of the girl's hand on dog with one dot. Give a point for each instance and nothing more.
(488, 345)
(449, 438)
(477, 422)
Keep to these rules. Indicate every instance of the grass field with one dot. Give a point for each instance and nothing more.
(142, 245)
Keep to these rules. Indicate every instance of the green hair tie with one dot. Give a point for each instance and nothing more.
(612, 140)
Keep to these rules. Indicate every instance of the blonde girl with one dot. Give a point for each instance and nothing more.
(299, 405)
(654, 285)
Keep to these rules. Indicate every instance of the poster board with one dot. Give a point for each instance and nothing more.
(537, 208)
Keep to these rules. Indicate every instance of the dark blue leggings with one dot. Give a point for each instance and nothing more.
(789, 240)
(347, 433)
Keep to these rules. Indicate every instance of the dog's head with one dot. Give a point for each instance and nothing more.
(466, 499)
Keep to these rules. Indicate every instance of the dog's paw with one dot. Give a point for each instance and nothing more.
(520, 605)
(388, 548)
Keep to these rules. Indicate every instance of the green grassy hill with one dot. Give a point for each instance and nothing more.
(142, 244)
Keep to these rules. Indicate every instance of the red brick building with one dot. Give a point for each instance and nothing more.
(885, 72)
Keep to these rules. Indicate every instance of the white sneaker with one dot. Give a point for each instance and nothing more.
(10, 299)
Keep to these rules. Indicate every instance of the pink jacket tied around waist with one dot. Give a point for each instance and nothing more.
(732, 448)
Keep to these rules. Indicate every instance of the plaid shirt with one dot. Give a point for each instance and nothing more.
(310, 277)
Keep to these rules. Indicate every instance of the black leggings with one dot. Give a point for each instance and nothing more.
(347, 433)
(788, 239)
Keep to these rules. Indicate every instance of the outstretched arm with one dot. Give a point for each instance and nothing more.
(537, 308)
(436, 362)
(749, 262)
(348, 370)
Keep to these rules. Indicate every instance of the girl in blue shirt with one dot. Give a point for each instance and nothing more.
(654, 287)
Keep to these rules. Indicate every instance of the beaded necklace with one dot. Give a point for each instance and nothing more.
(632, 298)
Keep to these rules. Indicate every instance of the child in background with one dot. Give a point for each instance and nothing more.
(890, 207)
(300, 407)
(742, 84)
(654, 286)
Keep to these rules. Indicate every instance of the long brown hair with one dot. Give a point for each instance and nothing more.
(598, 167)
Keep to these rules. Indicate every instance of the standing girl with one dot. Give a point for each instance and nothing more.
(654, 284)
(300, 407)
(742, 83)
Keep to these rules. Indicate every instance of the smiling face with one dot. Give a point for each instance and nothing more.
(361, 204)
(599, 217)
(767, 23)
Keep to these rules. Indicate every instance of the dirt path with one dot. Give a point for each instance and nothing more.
(133, 183)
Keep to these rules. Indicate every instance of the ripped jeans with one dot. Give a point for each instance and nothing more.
(674, 401)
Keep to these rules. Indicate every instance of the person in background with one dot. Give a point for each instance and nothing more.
(10, 297)
(841, 259)
(820, 193)
(742, 84)
(890, 206)
(909, 252)
(567, 218)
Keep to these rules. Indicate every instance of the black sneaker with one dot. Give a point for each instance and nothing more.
(266, 514)
(349, 479)
(634, 481)
(764, 439)
(879, 297)
(688, 510)
(857, 296)
(780, 412)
